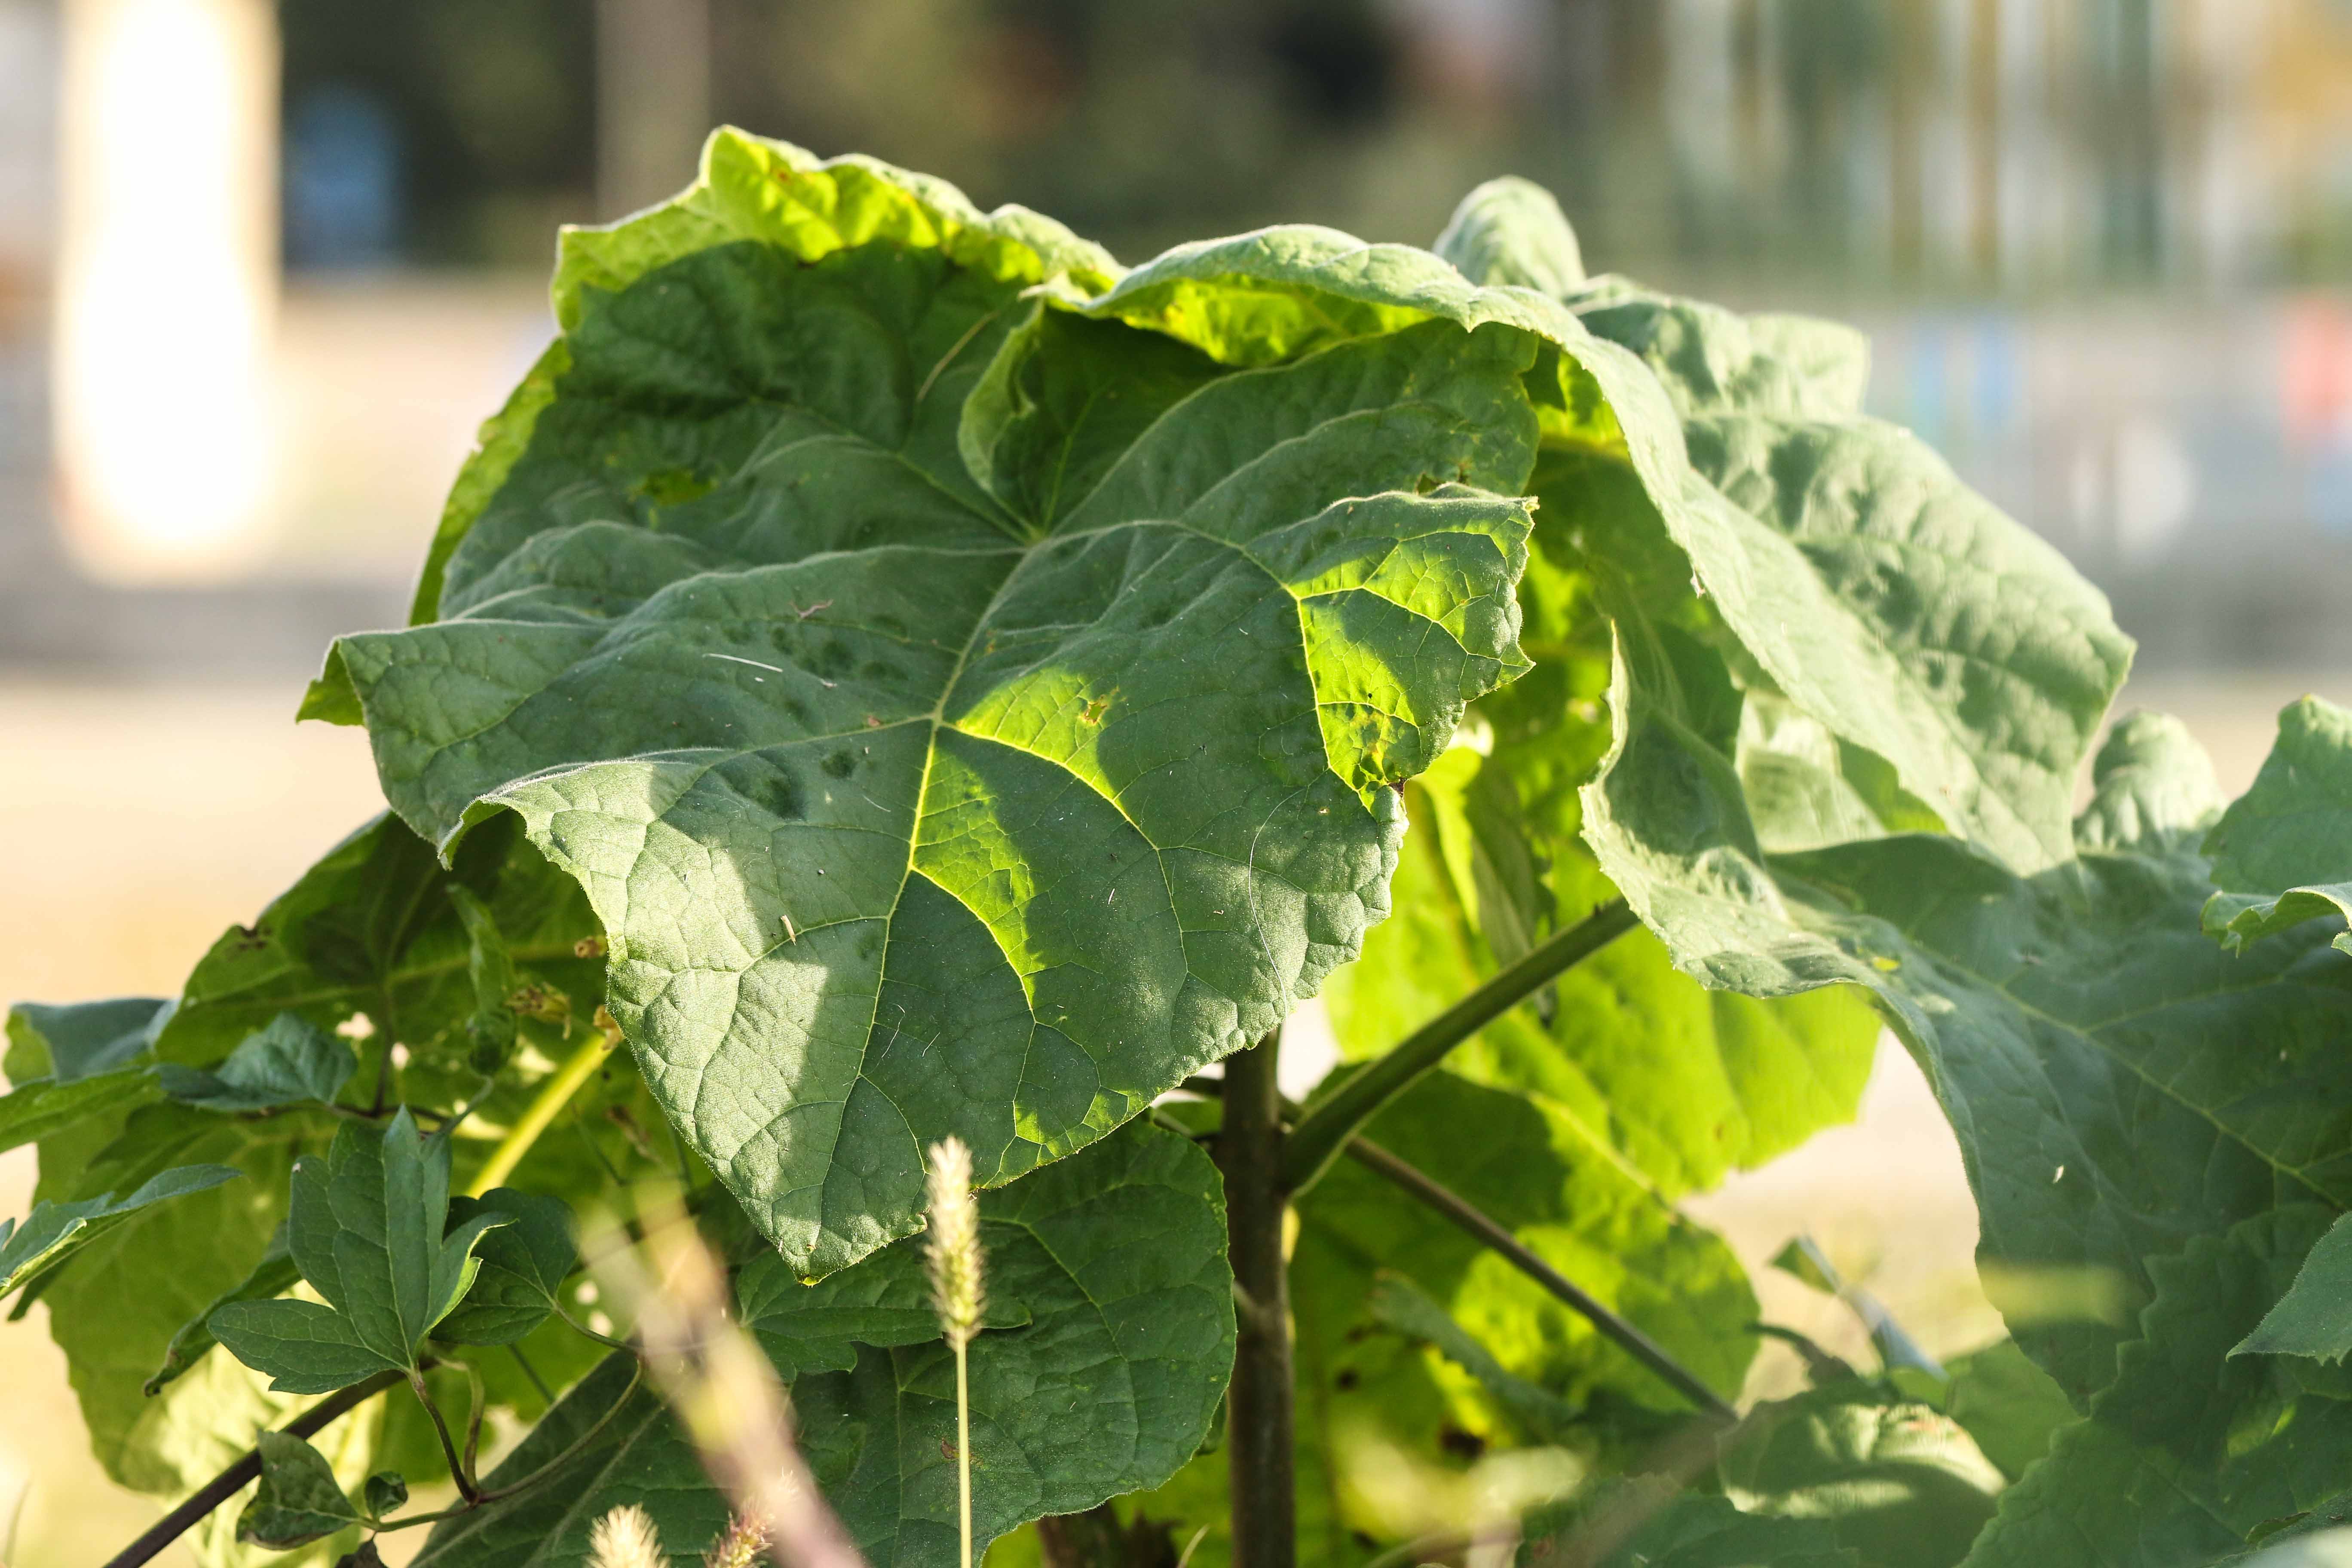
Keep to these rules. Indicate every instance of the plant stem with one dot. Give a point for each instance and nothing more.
(238, 1476)
(1260, 1402)
(963, 1447)
(1633, 1340)
(1325, 1127)
(559, 1086)
(457, 1472)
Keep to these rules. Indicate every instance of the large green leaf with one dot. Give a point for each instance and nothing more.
(2188, 1453)
(2084, 1036)
(1116, 1260)
(365, 1228)
(835, 734)
(2283, 852)
(1868, 586)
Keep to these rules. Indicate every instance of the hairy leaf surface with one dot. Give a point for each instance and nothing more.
(1117, 1257)
(918, 802)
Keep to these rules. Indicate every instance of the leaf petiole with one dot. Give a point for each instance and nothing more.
(459, 1472)
(560, 1086)
(1326, 1128)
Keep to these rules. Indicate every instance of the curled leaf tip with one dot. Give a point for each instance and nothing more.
(958, 1294)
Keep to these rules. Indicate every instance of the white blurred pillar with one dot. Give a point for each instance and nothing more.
(653, 100)
(167, 284)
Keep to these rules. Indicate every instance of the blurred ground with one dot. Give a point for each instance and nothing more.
(138, 822)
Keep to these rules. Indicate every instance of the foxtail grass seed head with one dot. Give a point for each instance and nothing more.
(740, 1546)
(625, 1538)
(957, 1292)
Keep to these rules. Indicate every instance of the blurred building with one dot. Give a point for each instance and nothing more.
(2101, 244)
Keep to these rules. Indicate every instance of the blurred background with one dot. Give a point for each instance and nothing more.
(263, 266)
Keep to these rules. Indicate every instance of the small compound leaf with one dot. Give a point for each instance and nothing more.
(272, 1277)
(1511, 231)
(45, 1238)
(1901, 1485)
(521, 1268)
(366, 1229)
(298, 1500)
(285, 1062)
(2283, 852)
(1107, 1389)
(386, 1491)
(2315, 1316)
(81, 1039)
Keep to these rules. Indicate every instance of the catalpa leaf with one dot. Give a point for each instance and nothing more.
(2283, 852)
(1980, 683)
(287, 1061)
(45, 1238)
(867, 768)
(522, 1266)
(2008, 1404)
(2189, 1452)
(298, 1500)
(2315, 1316)
(2085, 1039)
(1108, 1386)
(366, 1231)
(1541, 1416)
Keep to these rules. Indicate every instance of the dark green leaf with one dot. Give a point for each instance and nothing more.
(387, 1490)
(290, 1060)
(366, 1230)
(2315, 1316)
(298, 1500)
(81, 1039)
(2189, 1452)
(48, 1236)
(272, 1277)
(2283, 852)
(521, 1268)
(34, 1111)
(1107, 1387)
(834, 735)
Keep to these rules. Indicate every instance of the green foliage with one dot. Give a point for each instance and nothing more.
(365, 1229)
(1104, 1379)
(53, 1232)
(298, 1500)
(911, 675)
(286, 1063)
(2315, 1316)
